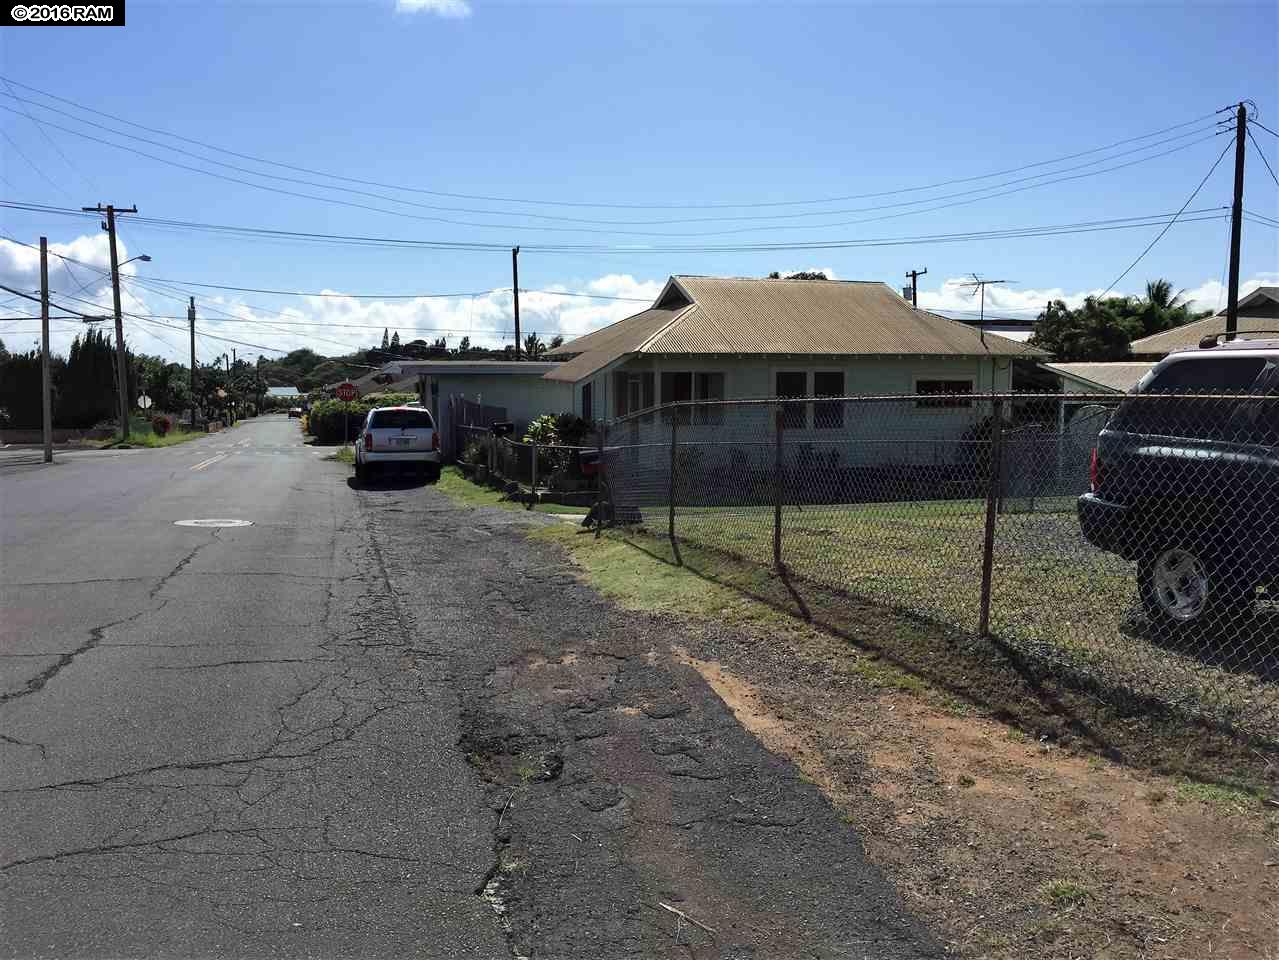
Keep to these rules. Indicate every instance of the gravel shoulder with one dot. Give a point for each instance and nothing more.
(632, 813)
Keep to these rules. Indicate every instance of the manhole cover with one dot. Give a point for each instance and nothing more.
(213, 523)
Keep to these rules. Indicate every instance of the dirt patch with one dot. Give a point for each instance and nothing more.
(1011, 846)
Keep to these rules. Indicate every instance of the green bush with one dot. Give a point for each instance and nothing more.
(389, 399)
(328, 419)
(161, 424)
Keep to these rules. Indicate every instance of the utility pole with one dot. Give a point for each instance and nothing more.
(46, 388)
(121, 371)
(191, 323)
(1236, 225)
(515, 281)
(914, 285)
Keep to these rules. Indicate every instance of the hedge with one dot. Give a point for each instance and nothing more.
(328, 418)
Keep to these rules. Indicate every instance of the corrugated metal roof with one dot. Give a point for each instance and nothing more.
(1188, 335)
(771, 317)
(1120, 377)
(818, 317)
(598, 349)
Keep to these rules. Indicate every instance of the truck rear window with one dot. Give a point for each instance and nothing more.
(401, 419)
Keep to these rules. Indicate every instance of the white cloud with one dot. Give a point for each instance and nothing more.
(451, 9)
(954, 297)
(330, 325)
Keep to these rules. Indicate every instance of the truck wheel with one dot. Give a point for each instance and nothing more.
(432, 473)
(361, 473)
(1182, 588)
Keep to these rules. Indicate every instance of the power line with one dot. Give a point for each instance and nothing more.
(616, 232)
(32, 164)
(1261, 153)
(579, 203)
(1092, 226)
(560, 218)
(1254, 122)
(53, 143)
(1168, 226)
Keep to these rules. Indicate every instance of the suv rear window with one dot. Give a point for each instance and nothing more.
(1215, 375)
(1209, 418)
(401, 419)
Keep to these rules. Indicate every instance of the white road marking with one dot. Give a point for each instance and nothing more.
(209, 462)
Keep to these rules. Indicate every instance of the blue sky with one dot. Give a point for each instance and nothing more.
(628, 104)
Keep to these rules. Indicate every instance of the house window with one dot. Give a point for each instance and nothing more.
(793, 383)
(632, 392)
(828, 383)
(709, 386)
(685, 386)
(588, 400)
(948, 393)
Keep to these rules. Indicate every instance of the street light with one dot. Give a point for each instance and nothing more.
(144, 257)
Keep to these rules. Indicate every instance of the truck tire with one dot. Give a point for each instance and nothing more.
(1183, 588)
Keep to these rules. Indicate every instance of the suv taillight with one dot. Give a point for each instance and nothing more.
(1094, 471)
(435, 440)
(368, 440)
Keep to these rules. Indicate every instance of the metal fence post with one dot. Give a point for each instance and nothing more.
(532, 487)
(679, 561)
(992, 505)
(778, 490)
(599, 481)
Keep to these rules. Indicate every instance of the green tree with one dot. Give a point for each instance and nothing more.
(4, 354)
(395, 343)
(533, 347)
(463, 347)
(800, 275)
(1099, 330)
(385, 342)
(557, 341)
(87, 392)
(20, 385)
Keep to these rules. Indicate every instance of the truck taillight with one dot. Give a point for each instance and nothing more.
(368, 441)
(1094, 471)
(435, 440)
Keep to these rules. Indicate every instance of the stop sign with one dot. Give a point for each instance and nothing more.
(346, 392)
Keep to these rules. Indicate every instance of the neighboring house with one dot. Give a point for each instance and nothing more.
(382, 380)
(1098, 377)
(1258, 314)
(520, 389)
(708, 338)
(283, 393)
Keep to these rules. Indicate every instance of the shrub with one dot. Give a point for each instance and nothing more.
(161, 424)
(328, 419)
(475, 452)
(390, 399)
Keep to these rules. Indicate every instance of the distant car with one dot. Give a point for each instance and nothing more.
(1185, 486)
(295, 412)
(397, 436)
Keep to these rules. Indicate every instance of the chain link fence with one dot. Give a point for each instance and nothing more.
(1126, 545)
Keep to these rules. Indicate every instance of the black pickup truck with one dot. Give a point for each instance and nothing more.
(1185, 482)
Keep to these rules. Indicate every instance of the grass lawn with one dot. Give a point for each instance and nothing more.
(1053, 596)
(141, 435)
(457, 486)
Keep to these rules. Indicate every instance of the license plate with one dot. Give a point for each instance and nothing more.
(401, 441)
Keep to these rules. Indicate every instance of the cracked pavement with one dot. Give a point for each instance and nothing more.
(373, 724)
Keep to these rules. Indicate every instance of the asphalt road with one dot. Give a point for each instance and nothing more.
(219, 742)
(372, 724)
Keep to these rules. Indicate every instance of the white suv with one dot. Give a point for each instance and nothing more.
(397, 435)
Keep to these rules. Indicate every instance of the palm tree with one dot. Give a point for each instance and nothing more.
(1159, 294)
(533, 347)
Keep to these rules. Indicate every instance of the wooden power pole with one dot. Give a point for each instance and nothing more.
(914, 285)
(46, 386)
(191, 323)
(515, 282)
(1236, 225)
(120, 364)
